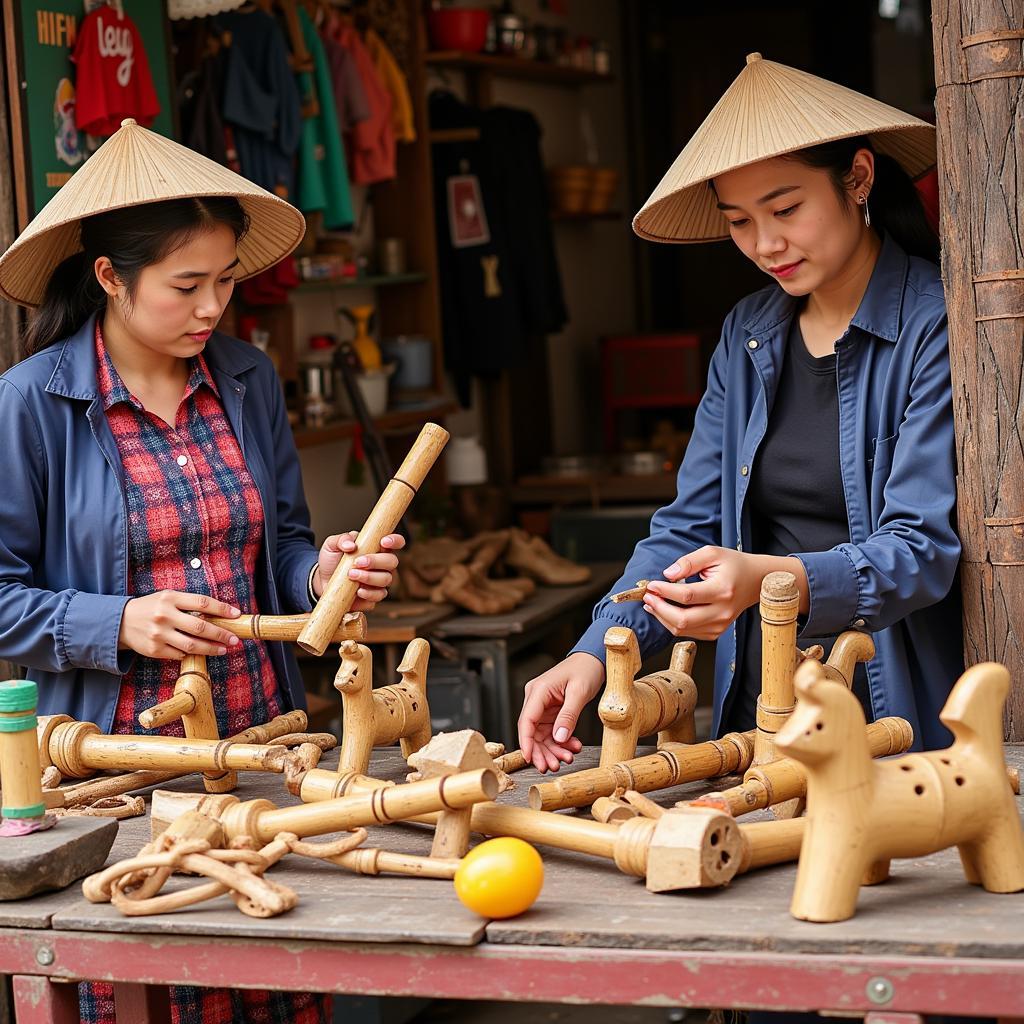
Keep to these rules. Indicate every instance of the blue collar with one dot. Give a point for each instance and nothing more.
(879, 311)
(74, 376)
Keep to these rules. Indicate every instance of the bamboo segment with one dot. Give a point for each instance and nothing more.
(662, 702)
(513, 761)
(261, 820)
(23, 808)
(288, 627)
(786, 779)
(780, 605)
(171, 710)
(770, 842)
(337, 599)
(78, 749)
(673, 765)
(369, 861)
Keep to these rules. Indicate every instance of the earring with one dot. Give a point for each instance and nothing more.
(863, 200)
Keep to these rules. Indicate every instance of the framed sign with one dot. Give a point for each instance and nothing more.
(40, 38)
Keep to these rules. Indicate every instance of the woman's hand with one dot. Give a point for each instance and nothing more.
(553, 703)
(372, 571)
(162, 625)
(730, 584)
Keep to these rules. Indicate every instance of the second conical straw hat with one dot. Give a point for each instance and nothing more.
(137, 166)
(769, 110)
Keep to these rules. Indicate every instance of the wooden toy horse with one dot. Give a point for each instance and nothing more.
(862, 812)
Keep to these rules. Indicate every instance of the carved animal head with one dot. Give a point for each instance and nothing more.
(354, 673)
(826, 716)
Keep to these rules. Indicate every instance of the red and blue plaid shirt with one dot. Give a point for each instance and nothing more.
(195, 523)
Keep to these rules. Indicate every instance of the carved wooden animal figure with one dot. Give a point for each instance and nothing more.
(662, 702)
(377, 718)
(862, 812)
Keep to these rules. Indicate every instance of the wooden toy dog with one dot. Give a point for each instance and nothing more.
(662, 702)
(863, 812)
(377, 718)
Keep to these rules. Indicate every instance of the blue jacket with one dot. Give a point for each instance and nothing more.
(63, 528)
(897, 577)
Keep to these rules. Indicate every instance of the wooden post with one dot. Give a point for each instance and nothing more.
(979, 76)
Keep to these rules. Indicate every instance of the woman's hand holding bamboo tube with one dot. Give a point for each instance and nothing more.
(165, 625)
(372, 571)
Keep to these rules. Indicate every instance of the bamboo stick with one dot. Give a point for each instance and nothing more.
(673, 765)
(785, 779)
(370, 861)
(337, 599)
(779, 607)
(288, 627)
(23, 808)
(261, 820)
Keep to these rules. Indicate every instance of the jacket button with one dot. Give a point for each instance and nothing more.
(858, 622)
(195, 563)
(752, 344)
(744, 470)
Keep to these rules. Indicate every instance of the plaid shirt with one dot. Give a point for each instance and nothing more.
(195, 524)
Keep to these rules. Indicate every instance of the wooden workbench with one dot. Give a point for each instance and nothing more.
(923, 942)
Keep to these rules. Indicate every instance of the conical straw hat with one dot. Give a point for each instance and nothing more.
(139, 166)
(770, 110)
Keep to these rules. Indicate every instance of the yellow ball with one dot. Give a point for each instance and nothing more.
(500, 878)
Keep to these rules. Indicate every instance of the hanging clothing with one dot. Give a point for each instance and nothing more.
(323, 174)
(498, 273)
(261, 101)
(371, 143)
(403, 121)
(113, 80)
(350, 101)
(200, 93)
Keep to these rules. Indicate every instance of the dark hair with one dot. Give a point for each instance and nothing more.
(894, 203)
(132, 239)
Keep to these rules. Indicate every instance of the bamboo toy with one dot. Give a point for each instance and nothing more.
(448, 754)
(23, 810)
(373, 718)
(861, 813)
(633, 594)
(78, 749)
(288, 627)
(261, 820)
(340, 593)
(662, 702)
(786, 779)
(192, 702)
(673, 765)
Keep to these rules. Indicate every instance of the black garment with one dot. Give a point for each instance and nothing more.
(497, 292)
(795, 494)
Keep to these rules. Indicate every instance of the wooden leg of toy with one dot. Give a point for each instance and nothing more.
(876, 873)
(680, 678)
(445, 755)
(996, 860)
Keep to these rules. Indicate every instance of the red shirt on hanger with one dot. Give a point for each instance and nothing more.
(113, 79)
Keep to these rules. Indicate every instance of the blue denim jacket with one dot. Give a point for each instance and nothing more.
(63, 529)
(897, 577)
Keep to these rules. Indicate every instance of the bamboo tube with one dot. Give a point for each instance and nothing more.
(261, 820)
(513, 761)
(770, 842)
(288, 627)
(786, 779)
(337, 599)
(779, 607)
(612, 809)
(369, 861)
(23, 808)
(78, 748)
(673, 765)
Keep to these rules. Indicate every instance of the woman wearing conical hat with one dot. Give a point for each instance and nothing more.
(823, 445)
(148, 467)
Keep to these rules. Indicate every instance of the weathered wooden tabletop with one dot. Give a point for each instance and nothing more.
(926, 909)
